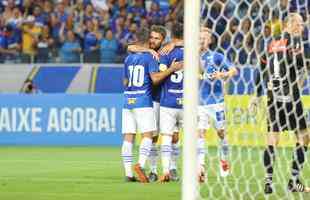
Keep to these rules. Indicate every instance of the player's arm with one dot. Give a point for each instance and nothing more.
(137, 48)
(229, 74)
(126, 77)
(125, 82)
(229, 70)
(298, 53)
(167, 48)
(158, 77)
(260, 79)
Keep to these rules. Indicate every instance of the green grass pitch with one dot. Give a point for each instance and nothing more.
(95, 173)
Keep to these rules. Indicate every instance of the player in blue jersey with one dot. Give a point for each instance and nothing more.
(215, 70)
(171, 101)
(141, 72)
(157, 37)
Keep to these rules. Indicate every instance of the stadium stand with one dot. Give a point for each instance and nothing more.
(39, 31)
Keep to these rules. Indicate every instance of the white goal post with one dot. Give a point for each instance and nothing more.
(191, 62)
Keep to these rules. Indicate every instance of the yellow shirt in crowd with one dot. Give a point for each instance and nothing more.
(29, 35)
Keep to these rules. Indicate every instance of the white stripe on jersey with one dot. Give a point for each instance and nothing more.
(175, 91)
(135, 92)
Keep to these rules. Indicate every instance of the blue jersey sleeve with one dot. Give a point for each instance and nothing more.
(153, 65)
(125, 68)
(164, 62)
(222, 61)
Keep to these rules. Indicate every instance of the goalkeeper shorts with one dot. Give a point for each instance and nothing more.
(286, 116)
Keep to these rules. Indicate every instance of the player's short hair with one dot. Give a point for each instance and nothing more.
(159, 29)
(177, 30)
(143, 35)
(290, 18)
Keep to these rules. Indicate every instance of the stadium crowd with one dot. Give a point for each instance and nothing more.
(98, 31)
(73, 31)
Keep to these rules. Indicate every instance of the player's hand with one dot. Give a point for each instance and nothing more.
(154, 54)
(254, 103)
(218, 75)
(167, 48)
(176, 66)
(205, 30)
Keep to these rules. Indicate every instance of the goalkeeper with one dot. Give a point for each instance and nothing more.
(282, 67)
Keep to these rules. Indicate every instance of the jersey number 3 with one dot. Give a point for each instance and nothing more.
(136, 75)
(177, 77)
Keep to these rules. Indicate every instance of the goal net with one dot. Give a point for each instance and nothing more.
(241, 30)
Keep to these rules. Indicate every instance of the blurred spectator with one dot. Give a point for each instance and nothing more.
(104, 20)
(47, 12)
(131, 36)
(284, 9)
(8, 9)
(225, 41)
(89, 14)
(17, 3)
(9, 46)
(70, 49)
(39, 18)
(275, 23)
(16, 19)
(233, 25)
(155, 15)
(137, 10)
(164, 6)
(108, 48)
(44, 46)
(58, 18)
(100, 4)
(91, 42)
(30, 37)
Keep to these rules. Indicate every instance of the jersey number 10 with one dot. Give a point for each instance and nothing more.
(136, 75)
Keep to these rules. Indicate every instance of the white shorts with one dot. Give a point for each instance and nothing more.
(216, 112)
(171, 119)
(138, 120)
(156, 107)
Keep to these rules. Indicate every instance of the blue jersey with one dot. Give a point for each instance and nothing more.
(138, 92)
(211, 90)
(172, 87)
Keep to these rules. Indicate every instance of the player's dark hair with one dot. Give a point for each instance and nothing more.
(159, 29)
(177, 30)
(143, 35)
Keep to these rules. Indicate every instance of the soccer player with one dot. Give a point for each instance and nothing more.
(215, 69)
(157, 37)
(279, 69)
(141, 71)
(171, 103)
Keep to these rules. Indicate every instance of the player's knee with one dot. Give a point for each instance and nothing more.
(272, 142)
(273, 139)
(303, 138)
(306, 140)
(175, 138)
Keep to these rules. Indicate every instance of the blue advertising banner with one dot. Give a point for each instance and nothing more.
(60, 119)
